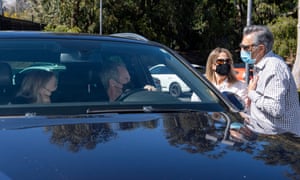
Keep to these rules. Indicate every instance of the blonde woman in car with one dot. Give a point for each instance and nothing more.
(37, 87)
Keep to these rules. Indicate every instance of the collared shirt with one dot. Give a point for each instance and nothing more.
(275, 103)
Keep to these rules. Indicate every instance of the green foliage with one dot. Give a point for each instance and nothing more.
(67, 16)
(265, 12)
(184, 25)
(62, 28)
(285, 35)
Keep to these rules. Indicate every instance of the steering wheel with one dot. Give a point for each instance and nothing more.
(143, 95)
(127, 93)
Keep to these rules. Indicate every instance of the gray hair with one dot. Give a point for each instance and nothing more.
(110, 71)
(262, 35)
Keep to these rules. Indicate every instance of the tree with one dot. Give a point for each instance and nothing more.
(183, 25)
(284, 30)
(72, 15)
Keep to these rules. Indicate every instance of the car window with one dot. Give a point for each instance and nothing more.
(160, 69)
(78, 66)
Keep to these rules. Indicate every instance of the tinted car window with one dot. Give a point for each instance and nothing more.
(160, 70)
(77, 65)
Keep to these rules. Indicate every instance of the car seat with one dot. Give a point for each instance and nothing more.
(5, 83)
(80, 82)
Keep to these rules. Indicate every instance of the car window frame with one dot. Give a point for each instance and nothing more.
(82, 107)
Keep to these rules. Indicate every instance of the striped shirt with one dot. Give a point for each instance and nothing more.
(275, 103)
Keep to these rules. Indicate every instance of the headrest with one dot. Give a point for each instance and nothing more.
(5, 74)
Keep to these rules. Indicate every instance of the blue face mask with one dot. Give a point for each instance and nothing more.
(246, 57)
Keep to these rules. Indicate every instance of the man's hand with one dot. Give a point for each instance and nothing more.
(150, 88)
(253, 83)
(252, 86)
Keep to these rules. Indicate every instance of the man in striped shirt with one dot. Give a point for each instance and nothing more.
(272, 93)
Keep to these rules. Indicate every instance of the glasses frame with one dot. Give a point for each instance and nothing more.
(247, 47)
(220, 61)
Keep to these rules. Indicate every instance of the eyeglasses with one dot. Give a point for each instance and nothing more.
(246, 47)
(223, 61)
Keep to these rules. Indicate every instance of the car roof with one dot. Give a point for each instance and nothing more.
(124, 37)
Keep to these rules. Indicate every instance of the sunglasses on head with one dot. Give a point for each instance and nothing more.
(223, 61)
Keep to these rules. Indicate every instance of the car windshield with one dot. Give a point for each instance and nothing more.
(101, 72)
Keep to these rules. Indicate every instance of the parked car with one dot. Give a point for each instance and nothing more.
(169, 81)
(200, 68)
(240, 70)
(142, 135)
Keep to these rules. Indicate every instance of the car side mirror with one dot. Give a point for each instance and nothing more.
(234, 99)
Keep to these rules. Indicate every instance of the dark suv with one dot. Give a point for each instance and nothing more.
(145, 133)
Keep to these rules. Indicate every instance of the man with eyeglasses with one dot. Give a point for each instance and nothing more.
(272, 93)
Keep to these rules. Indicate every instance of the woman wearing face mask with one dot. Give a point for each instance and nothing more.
(220, 72)
(37, 87)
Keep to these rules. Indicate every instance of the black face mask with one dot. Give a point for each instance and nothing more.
(127, 87)
(223, 69)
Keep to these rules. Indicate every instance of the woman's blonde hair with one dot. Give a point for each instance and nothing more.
(210, 73)
(33, 82)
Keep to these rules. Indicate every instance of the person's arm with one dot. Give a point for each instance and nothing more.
(270, 98)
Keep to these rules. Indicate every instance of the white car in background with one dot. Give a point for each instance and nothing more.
(169, 81)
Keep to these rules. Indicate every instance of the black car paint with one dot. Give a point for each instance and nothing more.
(124, 140)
